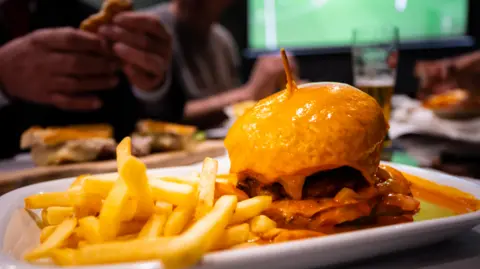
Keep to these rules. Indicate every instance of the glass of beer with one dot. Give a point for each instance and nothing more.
(375, 57)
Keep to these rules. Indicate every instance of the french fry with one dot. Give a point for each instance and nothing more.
(253, 237)
(56, 239)
(90, 228)
(124, 150)
(48, 199)
(98, 186)
(154, 226)
(111, 252)
(129, 209)
(245, 245)
(187, 249)
(44, 217)
(168, 191)
(78, 181)
(162, 207)
(174, 193)
(192, 179)
(55, 215)
(271, 234)
(225, 187)
(261, 224)
(176, 252)
(206, 188)
(71, 241)
(46, 232)
(250, 208)
(84, 204)
(111, 213)
(131, 216)
(179, 218)
(130, 227)
(233, 236)
(232, 178)
(134, 174)
(126, 237)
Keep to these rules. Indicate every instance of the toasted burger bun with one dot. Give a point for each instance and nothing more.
(318, 127)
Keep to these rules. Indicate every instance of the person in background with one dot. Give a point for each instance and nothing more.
(447, 74)
(207, 58)
(53, 74)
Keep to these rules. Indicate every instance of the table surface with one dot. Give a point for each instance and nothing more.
(462, 251)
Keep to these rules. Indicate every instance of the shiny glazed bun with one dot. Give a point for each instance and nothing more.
(316, 127)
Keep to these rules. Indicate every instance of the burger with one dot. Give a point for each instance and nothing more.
(316, 150)
(69, 144)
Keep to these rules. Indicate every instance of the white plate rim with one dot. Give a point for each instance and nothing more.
(236, 257)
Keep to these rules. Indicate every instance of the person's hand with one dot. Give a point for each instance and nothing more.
(57, 66)
(434, 76)
(267, 75)
(447, 74)
(143, 45)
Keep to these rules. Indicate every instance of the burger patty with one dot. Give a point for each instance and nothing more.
(325, 184)
(337, 196)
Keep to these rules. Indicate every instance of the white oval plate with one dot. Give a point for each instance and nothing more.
(17, 233)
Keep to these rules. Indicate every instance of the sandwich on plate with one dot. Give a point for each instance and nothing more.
(158, 136)
(70, 144)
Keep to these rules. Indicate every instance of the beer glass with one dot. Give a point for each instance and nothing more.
(375, 57)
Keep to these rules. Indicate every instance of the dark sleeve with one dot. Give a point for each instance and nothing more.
(58, 13)
(172, 103)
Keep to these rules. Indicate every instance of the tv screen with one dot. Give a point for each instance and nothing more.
(329, 23)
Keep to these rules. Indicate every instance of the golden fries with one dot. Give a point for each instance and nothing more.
(61, 233)
(174, 193)
(44, 200)
(154, 226)
(174, 252)
(162, 207)
(130, 216)
(179, 218)
(46, 232)
(262, 224)
(90, 229)
(134, 174)
(111, 213)
(225, 187)
(232, 236)
(112, 252)
(206, 187)
(250, 208)
(55, 214)
(98, 186)
(232, 178)
(164, 190)
(124, 150)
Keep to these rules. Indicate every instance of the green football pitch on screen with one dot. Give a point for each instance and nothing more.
(323, 23)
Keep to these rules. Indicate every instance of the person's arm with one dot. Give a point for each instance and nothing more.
(469, 61)
(209, 111)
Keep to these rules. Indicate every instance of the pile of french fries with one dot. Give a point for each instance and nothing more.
(130, 216)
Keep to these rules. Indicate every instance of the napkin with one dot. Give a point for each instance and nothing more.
(409, 117)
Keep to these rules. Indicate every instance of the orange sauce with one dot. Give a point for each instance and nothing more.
(440, 196)
(445, 196)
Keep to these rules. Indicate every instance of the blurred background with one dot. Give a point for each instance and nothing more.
(320, 36)
(318, 32)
